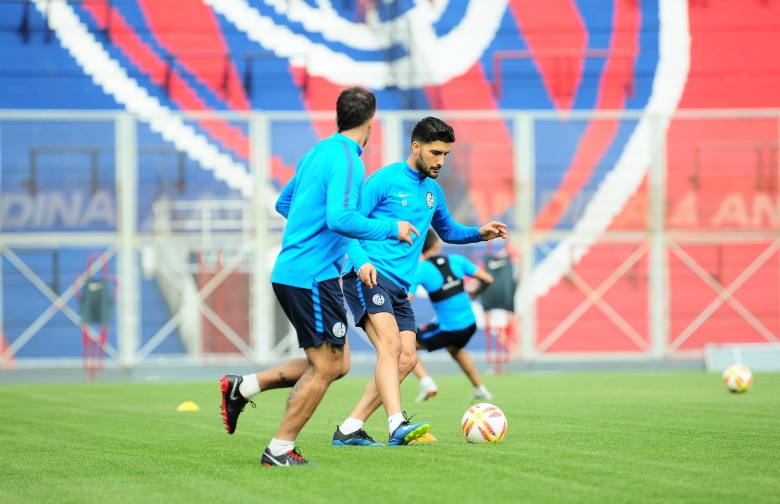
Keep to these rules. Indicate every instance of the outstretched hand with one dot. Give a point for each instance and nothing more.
(493, 230)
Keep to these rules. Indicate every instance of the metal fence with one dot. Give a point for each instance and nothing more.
(634, 235)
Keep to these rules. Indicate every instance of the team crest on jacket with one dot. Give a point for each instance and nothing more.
(429, 199)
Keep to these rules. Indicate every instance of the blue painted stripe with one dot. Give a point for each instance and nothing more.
(350, 167)
(451, 18)
(360, 293)
(315, 294)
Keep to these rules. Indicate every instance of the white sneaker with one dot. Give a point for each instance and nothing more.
(479, 395)
(426, 392)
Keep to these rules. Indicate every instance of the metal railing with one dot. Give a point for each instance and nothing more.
(569, 261)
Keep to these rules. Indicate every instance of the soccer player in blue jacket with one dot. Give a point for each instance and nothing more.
(379, 274)
(442, 277)
(320, 204)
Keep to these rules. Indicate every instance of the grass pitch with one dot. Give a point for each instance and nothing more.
(585, 437)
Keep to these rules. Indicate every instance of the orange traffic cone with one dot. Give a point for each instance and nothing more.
(6, 360)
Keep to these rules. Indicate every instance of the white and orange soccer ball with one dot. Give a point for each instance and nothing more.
(737, 378)
(484, 423)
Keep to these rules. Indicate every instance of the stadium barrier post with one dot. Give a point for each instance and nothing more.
(262, 320)
(659, 278)
(392, 143)
(126, 166)
(524, 165)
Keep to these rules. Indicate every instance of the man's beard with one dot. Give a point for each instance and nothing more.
(424, 170)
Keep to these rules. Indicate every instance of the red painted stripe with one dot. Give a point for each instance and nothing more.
(730, 67)
(318, 94)
(734, 63)
(734, 55)
(599, 135)
(144, 57)
(321, 94)
(189, 30)
(597, 138)
(557, 26)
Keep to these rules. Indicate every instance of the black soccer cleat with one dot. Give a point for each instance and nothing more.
(290, 458)
(357, 438)
(232, 401)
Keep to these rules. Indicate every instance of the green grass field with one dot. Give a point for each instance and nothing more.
(584, 437)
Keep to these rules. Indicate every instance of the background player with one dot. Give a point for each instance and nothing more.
(320, 204)
(442, 276)
(379, 275)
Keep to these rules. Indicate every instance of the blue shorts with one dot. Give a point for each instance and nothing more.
(431, 337)
(317, 314)
(386, 296)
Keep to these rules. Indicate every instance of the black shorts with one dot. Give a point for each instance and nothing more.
(432, 338)
(317, 314)
(386, 296)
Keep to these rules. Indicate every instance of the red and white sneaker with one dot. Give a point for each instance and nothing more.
(426, 392)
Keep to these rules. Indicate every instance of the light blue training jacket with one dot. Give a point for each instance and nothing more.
(320, 203)
(397, 193)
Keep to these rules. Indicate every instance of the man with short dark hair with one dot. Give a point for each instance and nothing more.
(379, 275)
(320, 203)
(442, 277)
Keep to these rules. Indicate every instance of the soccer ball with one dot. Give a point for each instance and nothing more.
(737, 378)
(483, 423)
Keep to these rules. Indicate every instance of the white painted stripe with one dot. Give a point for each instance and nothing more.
(431, 60)
(373, 35)
(114, 80)
(625, 178)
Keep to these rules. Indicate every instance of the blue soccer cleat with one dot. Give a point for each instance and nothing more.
(408, 432)
(357, 438)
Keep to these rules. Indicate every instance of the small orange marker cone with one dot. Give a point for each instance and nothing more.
(427, 438)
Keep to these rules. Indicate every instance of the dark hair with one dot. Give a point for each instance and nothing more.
(354, 106)
(430, 240)
(431, 129)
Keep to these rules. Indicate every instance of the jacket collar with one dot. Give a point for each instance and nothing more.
(352, 144)
(411, 173)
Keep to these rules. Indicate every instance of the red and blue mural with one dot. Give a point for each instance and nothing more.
(654, 56)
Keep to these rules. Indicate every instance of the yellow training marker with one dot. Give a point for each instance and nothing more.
(188, 406)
